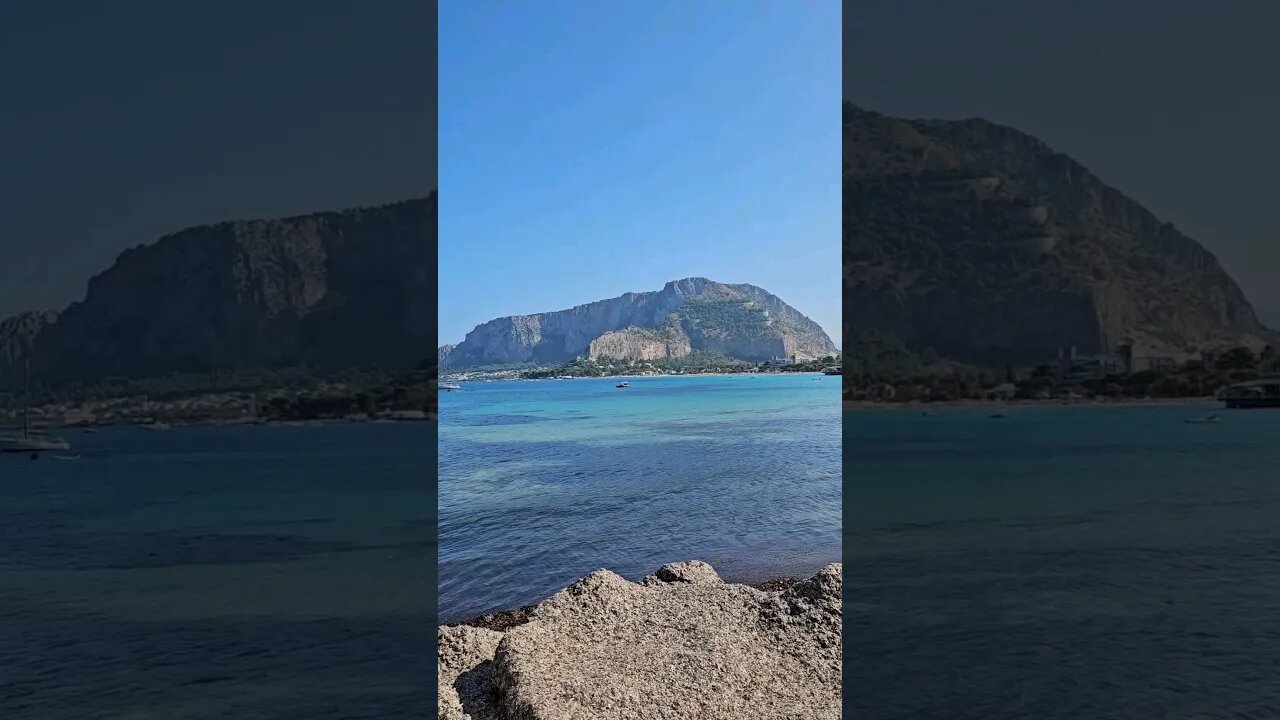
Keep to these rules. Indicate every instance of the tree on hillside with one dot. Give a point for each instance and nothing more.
(1240, 358)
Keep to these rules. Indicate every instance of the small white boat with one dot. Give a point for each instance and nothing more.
(31, 442)
(450, 386)
(623, 384)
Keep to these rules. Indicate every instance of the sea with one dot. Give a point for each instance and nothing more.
(212, 572)
(543, 482)
(1062, 562)
(1057, 562)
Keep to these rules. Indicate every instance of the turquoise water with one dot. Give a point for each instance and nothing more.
(542, 482)
(1087, 562)
(254, 572)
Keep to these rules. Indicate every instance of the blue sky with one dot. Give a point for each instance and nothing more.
(589, 149)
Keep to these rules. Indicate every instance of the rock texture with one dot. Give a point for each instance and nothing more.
(986, 245)
(741, 321)
(465, 676)
(643, 343)
(330, 290)
(681, 644)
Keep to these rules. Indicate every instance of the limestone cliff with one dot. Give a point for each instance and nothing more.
(741, 321)
(636, 343)
(984, 244)
(329, 290)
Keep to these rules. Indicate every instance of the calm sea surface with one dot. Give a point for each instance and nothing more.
(543, 482)
(1062, 563)
(220, 572)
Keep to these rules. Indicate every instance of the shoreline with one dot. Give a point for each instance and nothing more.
(634, 376)
(504, 620)
(862, 405)
(618, 649)
(211, 422)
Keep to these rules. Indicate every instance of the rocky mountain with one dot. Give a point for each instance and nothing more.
(328, 290)
(982, 244)
(740, 321)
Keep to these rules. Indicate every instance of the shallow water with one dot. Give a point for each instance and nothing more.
(251, 572)
(1086, 562)
(543, 482)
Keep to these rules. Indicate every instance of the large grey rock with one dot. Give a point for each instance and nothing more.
(737, 320)
(692, 571)
(605, 648)
(465, 667)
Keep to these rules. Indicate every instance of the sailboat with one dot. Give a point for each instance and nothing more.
(31, 442)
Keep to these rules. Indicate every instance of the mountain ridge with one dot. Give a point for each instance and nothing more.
(982, 243)
(738, 320)
(329, 290)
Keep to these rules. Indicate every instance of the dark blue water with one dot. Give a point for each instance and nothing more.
(220, 572)
(543, 482)
(1062, 563)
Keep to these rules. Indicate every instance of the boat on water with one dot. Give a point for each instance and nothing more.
(450, 386)
(1261, 393)
(1202, 420)
(623, 384)
(30, 441)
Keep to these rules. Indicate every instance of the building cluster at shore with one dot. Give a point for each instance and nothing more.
(1124, 375)
(222, 408)
(697, 364)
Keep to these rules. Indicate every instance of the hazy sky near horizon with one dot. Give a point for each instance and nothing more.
(125, 121)
(1172, 103)
(590, 149)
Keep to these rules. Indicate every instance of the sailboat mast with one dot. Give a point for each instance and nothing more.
(26, 396)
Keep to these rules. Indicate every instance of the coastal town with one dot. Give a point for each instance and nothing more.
(697, 363)
(1240, 376)
(321, 402)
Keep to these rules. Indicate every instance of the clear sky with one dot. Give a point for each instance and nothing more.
(123, 121)
(589, 149)
(1173, 103)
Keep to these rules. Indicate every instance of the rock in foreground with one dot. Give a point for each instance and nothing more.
(680, 644)
(465, 666)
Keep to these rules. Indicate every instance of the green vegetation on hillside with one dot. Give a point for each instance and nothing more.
(941, 381)
(739, 318)
(697, 362)
(415, 392)
(289, 394)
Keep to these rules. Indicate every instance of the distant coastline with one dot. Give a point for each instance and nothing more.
(861, 405)
(633, 376)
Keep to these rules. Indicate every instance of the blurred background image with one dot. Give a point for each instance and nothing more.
(218, 285)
